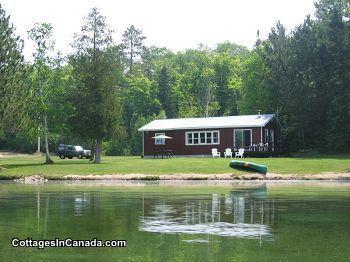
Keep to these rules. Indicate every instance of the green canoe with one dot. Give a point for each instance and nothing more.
(243, 165)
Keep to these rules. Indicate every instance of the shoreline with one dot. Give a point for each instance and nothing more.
(193, 177)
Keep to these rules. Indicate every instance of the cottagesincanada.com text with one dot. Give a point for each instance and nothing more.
(68, 242)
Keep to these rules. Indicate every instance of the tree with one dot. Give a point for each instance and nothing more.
(228, 78)
(11, 69)
(132, 45)
(232, 49)
(141, 93)
(42, 36)
(255, 94)
(303, 76)
(197, 83)
(154, 59)
(166, 96)
(95, 97)
(333, 31)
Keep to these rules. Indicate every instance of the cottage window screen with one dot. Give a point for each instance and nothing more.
(195, 138)
(272, 136)
(202, 138)
(242, 138)
(267, 136)
(159, 141)
(209, 138)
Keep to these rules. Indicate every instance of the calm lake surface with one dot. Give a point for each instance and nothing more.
(179, 221)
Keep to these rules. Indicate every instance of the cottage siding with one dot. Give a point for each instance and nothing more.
(178, 144)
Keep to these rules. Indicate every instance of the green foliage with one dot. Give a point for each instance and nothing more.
(142, 94)
(108, 90)
(132, 146)
(255, 95)
(132, 46)
(166, 94)
(232, 49)
(228, 68)
(302, 76)
(11, 72)
(95, 96)
(43, 92)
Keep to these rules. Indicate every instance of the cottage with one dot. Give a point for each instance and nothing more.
(197, 136)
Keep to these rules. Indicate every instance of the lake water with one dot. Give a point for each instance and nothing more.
(179, 221)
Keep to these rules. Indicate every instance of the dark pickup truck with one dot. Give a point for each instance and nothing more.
(71, 151)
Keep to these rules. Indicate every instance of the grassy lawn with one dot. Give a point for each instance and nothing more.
(32, 165)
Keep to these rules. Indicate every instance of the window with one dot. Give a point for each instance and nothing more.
(195, 138)
(159, 141)
(266, 135)
(189, 138)
(272, 136)
(215, 137)
(209, 138)
(242, 138)
(202, 138)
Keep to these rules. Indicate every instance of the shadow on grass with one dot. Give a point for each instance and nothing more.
(322, 156)
(12, 166)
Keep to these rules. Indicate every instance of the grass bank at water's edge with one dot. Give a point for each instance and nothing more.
(13, 167)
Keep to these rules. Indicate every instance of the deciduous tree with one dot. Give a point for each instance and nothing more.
(42, 36)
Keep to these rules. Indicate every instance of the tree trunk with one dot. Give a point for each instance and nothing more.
(131, 56)
(48, 160)
(98, 152)
(92, 156)
(38, 150)
(207, 100)
(303, 137)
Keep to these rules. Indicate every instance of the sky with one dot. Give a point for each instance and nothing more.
(176, 24)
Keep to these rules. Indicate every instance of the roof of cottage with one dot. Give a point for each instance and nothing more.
(208, 122)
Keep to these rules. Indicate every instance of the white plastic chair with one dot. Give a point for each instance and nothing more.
(240, 153)
(228, 152)
(266, 147)
(215, 153)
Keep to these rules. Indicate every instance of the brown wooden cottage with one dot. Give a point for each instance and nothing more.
(197, 136)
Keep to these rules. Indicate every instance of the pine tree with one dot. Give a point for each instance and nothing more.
(10, 67)
(95, 70)
(165, 93)
(132, 46)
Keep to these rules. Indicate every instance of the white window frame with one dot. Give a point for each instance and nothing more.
(159, 139)
(199, 138)
(251, 136)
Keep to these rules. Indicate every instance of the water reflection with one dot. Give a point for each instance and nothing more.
(242, 213)
(189, 221)
(81, 202)
(240, 230)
